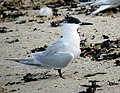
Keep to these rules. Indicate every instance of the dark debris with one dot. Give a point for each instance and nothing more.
(91, 88)
(105, 36)
(21, 22)
(13, 90)
(12, 83)
(56, 23)
(117, 62)
(39, 49)
(82, 42)
(90, 75)
(9, 15)
(112, 83)
(28, 77)
(13, 41)
(106, 50)
(5, 30)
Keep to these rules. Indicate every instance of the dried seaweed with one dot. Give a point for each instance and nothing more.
(105, 50)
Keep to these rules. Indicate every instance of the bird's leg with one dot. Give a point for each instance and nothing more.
(60, 74)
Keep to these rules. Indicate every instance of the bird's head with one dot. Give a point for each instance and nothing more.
(73, 23)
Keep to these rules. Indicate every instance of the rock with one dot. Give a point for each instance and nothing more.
(46, 11)
(40, 21)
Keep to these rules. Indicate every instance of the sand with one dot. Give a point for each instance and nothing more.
(31, 35)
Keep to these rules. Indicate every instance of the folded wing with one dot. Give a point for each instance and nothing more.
(55, 56)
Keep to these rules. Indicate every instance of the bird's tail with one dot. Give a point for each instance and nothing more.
(27, 61)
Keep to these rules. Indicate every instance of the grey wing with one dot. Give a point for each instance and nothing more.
(105, 2)
(113, 1)
(57, 60)
(55, 56)
(58, 46)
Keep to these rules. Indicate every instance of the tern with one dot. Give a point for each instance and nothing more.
(63, 51)
(104, 4)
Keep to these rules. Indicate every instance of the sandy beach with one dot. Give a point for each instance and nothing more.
(20, 38)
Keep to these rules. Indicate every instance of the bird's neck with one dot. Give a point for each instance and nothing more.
(71, 35)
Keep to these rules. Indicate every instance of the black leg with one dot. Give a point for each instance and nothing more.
(60, 74)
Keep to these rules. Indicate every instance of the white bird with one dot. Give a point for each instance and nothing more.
(60, 53)
(104, 4)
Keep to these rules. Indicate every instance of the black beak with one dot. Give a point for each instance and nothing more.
(86, 23)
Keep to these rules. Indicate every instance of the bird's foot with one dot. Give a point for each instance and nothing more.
(61, 74)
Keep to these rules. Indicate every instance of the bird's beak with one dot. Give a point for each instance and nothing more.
(86, 23)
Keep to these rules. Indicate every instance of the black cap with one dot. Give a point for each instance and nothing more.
(70, 19)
